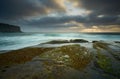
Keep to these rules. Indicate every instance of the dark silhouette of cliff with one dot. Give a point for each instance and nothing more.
(9, 28)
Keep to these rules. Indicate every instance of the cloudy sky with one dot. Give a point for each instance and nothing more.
(62, 15)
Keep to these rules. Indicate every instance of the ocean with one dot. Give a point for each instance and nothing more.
(13, 41)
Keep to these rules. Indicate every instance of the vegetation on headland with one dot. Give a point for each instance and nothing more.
(7, 28)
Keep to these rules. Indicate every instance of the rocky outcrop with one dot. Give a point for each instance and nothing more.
(66, 41)
(78, 41)
(117, 41)
(57, 42)
(9, 28)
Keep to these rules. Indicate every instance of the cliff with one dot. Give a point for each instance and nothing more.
(9, 28)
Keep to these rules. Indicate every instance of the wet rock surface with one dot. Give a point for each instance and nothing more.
(107, 58)
(71, 61)
(66, 41)
(72, 55)
(78, 41)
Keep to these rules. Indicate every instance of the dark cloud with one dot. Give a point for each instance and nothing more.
(17, 9)
(58, 21)
(103, 20)
(55, 20)
(107, 7)
(22, 12)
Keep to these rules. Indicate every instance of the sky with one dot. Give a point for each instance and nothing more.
(62, 15)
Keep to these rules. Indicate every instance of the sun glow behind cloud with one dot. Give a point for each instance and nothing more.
(71, 10)
(82, 28)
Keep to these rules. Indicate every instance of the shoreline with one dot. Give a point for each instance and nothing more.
(98, 57)
(57, 43)
(44, 44)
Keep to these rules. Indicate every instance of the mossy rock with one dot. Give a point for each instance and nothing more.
(71, 55)
(20, 56)
(102, 45)
(104, 62)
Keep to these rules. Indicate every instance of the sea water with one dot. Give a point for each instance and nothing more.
(12, 41)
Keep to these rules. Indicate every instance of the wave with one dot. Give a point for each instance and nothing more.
(12, 41)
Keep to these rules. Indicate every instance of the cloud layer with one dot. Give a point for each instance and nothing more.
(53, 14)
(17, 9)
(106, 7)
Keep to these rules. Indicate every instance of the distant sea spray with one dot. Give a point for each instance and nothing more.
(12, 41)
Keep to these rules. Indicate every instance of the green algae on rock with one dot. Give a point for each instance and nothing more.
(105, 58)
(20, 56)
(74, 56)
(99, 44)
(104, 62)
(105, 46)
